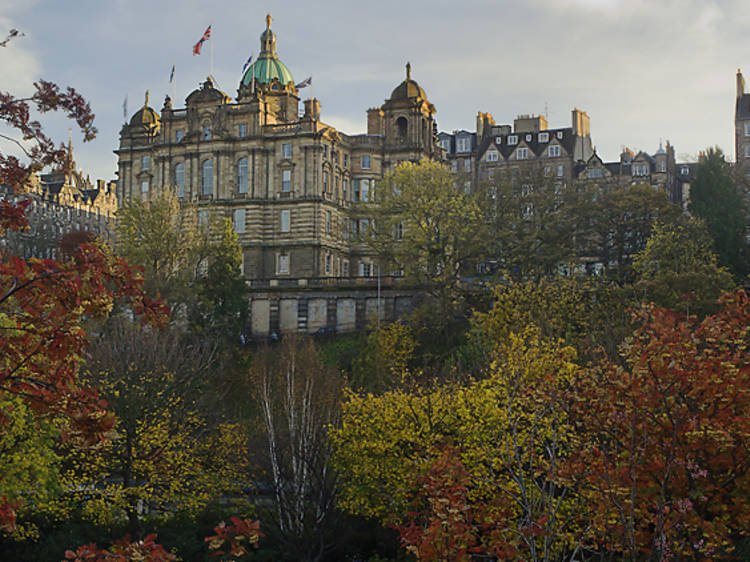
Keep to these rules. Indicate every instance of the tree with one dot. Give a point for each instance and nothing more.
(617, 223)
(510, 433)
(715, 198)
(43, 302)
(663, 451)
(299, 397)
(678, 269)
(170, 451)
(429, 229)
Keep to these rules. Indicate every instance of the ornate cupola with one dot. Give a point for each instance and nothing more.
(267, 74)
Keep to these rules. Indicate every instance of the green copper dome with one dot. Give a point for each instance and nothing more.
(267, 66)
(266, 69)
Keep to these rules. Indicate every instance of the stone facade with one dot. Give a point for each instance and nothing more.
(742, 127)
(60, 202)
(288, 183)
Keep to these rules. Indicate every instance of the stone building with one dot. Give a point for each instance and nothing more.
(742, 127)
(60, 202)
(289, 183)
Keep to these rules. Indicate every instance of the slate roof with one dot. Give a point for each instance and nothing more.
(537, 148)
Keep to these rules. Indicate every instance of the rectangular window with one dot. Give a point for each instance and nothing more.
(144, 187)
(355, 190)
(328, 222)
(178, 135)
(662, 167)
(238, 219)
(336, 187)
(242, 133)
(747, 151)
(445, 144)
(463, 144)
(207, 132)
(286, 181)
(242, 175)
(560, 171)
(522, 153)
(595, 172)
(345, 268)
(365, 269)
(328, 263)
(325, 152)
(543, 137)
(346, 160)
(203, 217)
(512, 139)
(286, 151)
(345, 193)
(553, 150)
(179, 179)
(547, 171)
(492, 156)
(286, 220)
(747, 129)
(282, 264)
(366, 161)
(467, 165)
(325, 181)
(559, 134)
(145, 161)
(640, 170)
(365, 190)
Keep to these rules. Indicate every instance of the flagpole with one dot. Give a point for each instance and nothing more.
(211, 54)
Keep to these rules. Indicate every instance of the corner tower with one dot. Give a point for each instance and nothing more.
(407, 122)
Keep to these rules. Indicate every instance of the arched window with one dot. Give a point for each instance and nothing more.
(242, 175)
(207, 176)
(179, 179)
(402, 126)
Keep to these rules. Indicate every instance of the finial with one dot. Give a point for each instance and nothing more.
(408, 71)
(145, 103)
(268, 21)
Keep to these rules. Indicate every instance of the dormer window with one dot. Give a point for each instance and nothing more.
(522, 153)
(492, 156)
(445, 144)
(640, 170)
(463, 144)
(498, 140)
(559, 134)
(685, 171)
(553, 150)
(543, 137)
(512, 139)
(528, 138)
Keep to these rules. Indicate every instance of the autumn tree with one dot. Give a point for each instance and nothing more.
(716, 198)
(43, 302)
(299, 399)
(663, 450)
(510, 432)
(679, 270)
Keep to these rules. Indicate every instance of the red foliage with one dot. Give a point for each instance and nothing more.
(123, 550)
(665, 456)
(240, 534)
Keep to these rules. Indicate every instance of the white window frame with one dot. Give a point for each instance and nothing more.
(560, 171)
(492, 156)
(522, 153)
(543, 137)
(286, 181)
(463, 144)
(242, 178)
(553, 151)
(498, 140)
(144, 186)
(512, 140)
(559, 134)
(640, 170)
(366, 162)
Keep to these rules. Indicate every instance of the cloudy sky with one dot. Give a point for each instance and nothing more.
(643, 70)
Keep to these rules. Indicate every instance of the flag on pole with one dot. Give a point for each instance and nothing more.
(171, 75)
(305, 83)
(199, 44)
(249, 60)
(125, 108)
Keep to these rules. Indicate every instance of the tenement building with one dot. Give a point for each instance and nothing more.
(530, 150)
(288, 182)
(60, 202)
